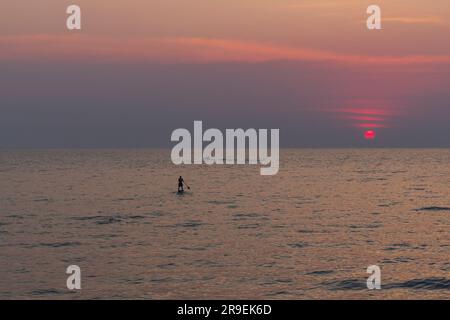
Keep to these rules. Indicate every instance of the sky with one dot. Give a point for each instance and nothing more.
(140, 69)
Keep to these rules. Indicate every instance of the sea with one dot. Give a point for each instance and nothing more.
(309, 232)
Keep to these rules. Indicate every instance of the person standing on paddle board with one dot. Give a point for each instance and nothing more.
(180, 184)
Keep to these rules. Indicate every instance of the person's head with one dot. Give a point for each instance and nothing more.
(180, 177)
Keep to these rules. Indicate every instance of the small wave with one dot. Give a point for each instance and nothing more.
(167, 279)
(398, 260)
(389, 204)
(124, 199)
(194, 248)
(155, 214)
(320, 272)
(136, 217)
(45, 292)
(249, 226)
(246, 215)
(434, 208)
(305, 231)
(87, 218)
(398, 246)
(137, 280)
(15, 216)
(189, 224)
(367, 226)
(204, 263)
(167, 265)
(278, 281)
(422, 284)
(249, 216)
(59, 244)
(219, 202)
(349, 284)
(21, 271)
(278, 293)
(267, 265)
(298, 245)
(110, 219)
(415, 284)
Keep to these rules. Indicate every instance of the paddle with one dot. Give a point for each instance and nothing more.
(187, 186)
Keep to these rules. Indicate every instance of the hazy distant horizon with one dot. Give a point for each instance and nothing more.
(169, 148)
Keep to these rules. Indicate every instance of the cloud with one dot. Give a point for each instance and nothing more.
(182, 50)
(367, 113)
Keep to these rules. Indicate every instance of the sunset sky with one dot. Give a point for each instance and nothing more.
(139, 69)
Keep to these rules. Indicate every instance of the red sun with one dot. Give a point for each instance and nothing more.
(370, 135)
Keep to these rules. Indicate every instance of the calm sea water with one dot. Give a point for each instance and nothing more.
(309, 232)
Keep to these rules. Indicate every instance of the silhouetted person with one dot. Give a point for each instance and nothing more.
(180, 184)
